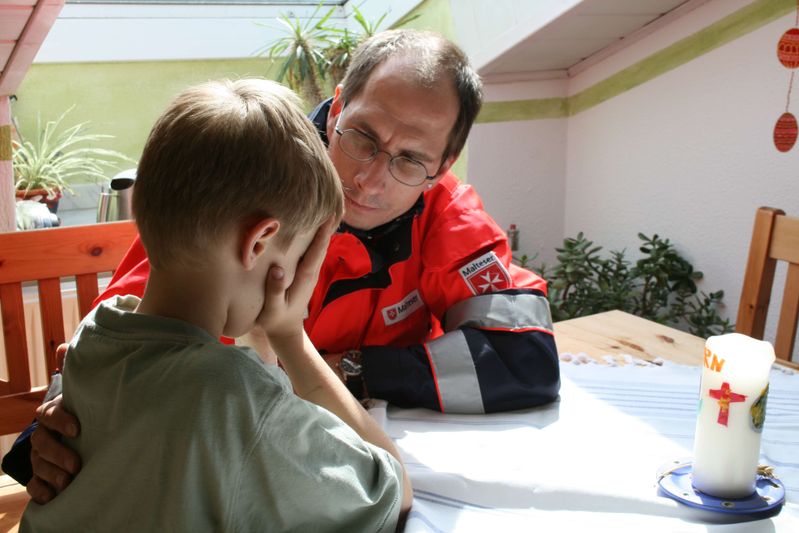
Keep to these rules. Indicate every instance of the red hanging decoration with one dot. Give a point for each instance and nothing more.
(788, 48)
(785, 132)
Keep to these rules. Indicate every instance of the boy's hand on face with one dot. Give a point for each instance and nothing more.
(285, 306)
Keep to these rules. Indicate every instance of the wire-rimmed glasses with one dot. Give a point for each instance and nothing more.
(362, 148)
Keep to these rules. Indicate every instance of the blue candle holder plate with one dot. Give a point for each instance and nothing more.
(675, 482)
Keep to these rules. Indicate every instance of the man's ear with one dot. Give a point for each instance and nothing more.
(257, 237)
(336, 106)
(448, 162)
(444, 168)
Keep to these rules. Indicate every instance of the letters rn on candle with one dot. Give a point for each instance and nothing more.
(713, 361)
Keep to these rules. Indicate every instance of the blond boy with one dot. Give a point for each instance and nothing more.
(235, 202)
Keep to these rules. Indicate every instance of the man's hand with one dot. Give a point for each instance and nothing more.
(54, 464)
(285, 306)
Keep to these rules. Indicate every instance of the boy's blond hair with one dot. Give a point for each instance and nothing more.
(228, 152)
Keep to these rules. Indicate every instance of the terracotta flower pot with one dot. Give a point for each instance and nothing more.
(32, 194)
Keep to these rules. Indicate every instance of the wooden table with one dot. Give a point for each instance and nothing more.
(617, 333)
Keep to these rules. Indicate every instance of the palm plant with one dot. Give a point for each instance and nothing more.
(56, 156)
(312, 51)
(304, 64)
(340, 51)
(339, 54)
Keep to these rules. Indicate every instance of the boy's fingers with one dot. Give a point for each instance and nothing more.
(276, 283)
(315, 255)
(307, 271)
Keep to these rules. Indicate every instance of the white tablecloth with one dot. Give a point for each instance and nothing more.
(585, 463)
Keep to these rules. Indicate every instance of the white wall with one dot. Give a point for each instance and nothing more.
(688, 155)
(519, 169)
(521, 182)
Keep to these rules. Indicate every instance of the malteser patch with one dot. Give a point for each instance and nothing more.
(400, 311)
(486, 274)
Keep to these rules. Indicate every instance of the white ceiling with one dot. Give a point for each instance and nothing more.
(577, 34)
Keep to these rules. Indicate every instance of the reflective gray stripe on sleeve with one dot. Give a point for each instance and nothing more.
(501, 311)
(455, 373)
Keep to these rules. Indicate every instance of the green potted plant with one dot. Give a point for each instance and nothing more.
(301, 51)
(313, 54)
(344, 42)
(47, 165)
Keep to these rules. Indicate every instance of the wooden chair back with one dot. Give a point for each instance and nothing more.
(775, 238)
(45, 256)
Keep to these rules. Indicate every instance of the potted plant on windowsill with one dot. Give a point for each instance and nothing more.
(45, 167)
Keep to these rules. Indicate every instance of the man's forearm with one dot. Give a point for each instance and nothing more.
(467, 371)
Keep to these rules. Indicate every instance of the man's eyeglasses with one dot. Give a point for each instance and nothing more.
(362, 148)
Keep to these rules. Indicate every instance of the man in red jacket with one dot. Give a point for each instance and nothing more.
(417, 301)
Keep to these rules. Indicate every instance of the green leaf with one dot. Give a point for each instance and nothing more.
(60, 154)
(660, 286)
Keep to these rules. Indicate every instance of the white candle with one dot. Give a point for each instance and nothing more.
(732, 409)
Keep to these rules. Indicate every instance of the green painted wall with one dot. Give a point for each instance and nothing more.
(121, 99)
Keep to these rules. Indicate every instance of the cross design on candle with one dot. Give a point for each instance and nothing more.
(725, 396)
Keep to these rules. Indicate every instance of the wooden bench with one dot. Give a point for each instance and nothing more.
(46, 256)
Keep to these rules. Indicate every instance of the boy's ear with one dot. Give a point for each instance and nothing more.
(257, 237)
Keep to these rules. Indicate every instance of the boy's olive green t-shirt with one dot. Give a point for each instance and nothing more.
(182, 433)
